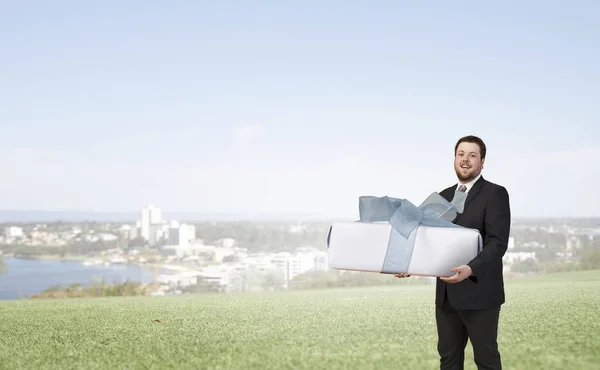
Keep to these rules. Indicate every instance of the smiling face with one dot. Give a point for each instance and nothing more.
(467, 161)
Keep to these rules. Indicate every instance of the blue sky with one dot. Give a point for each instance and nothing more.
(271, 107)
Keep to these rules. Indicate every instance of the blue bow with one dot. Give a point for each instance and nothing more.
(405, 218)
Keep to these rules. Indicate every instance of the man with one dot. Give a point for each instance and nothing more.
(468, 303)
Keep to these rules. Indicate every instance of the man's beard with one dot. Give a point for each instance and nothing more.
(464, 178)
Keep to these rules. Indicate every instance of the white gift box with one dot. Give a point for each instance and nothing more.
(431, 251)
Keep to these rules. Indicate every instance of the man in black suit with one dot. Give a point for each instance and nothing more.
(468, 303)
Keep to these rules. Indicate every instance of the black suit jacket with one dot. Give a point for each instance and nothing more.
(487, 209)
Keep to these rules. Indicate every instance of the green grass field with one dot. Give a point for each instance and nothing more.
(548, 322)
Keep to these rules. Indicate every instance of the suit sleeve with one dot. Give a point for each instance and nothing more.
(497, 231)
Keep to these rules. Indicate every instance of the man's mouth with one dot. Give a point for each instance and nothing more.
(465, 166)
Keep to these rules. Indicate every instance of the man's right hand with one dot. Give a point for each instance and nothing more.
(403, 275)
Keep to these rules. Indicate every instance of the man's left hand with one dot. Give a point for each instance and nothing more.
(462, 272)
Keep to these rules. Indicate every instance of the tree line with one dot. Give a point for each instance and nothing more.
(96, 289)
(264, 237)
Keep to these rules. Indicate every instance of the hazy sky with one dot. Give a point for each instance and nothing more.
(216, 106)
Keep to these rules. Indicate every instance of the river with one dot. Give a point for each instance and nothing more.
(25, 277)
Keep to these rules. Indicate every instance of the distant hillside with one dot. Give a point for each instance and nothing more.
(18, 216)
(67, 216)
(30, 216)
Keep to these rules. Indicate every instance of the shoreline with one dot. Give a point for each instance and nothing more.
(172, 268)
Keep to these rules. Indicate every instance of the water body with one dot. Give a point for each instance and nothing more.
(25, 277)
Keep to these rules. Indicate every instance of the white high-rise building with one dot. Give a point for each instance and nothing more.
(13, 232)
(155, 215)
(179, 237)
(184, 238)
(292, 265)
(151, 216)
(191, 233)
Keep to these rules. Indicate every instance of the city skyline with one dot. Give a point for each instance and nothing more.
(8, 217)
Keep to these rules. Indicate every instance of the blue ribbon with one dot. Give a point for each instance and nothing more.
(405, 219)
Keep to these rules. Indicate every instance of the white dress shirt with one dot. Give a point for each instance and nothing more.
(469, 184)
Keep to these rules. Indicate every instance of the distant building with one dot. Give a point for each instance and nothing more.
(13, 232)
(303, 261)
(133, 231)
(511, 257)
(573, 242)
(225, 242)
(151, 224)
(105, 237)
(191, 233)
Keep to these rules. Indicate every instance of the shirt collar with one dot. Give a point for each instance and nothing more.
(469, 184)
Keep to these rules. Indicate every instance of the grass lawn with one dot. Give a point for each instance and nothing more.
(548, 322)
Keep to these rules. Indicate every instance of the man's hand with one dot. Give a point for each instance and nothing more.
(403, 275)
(462, 272)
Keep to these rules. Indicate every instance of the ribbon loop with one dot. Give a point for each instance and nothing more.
(377, 209)
(405, 218)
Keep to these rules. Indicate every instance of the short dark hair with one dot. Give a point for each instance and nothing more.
(472, 139)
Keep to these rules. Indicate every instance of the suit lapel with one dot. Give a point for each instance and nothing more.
(473, 192)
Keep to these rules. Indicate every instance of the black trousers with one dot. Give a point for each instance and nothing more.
(455, 327)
